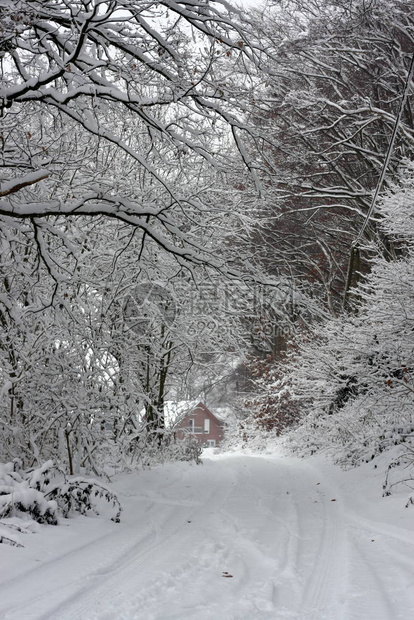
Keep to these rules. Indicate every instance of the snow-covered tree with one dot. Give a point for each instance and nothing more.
(87, 86)
(122, 150)
(338, 75)
(354, 375)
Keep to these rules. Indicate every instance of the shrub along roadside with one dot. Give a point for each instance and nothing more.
(44, 494)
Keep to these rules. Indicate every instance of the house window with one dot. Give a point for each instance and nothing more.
(211, 443)
(191, 425)
(206, 425)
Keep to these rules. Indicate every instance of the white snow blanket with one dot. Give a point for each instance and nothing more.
(238, 538)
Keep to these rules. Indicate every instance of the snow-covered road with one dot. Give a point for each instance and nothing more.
(240, 537)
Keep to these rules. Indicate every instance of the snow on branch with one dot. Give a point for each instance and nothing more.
(136, 103)
(14, 185)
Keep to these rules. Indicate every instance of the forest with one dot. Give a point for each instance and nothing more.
(202, 202)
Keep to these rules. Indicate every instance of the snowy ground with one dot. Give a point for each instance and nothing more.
(240, 537)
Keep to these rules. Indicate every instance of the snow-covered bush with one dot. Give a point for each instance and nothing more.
(404, 461)
(188, 449)
(148, 449)
(45, 493)
(20, 493)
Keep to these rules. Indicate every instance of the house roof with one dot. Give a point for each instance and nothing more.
(204, 409)
(176, 411)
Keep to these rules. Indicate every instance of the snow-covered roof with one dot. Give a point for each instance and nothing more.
(176, 410)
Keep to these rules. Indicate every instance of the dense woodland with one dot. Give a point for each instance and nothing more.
(200, 201)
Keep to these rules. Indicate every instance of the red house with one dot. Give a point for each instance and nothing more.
(201, 424)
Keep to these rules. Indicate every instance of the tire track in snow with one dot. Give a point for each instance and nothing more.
(322, 590)
(270, 539)
(107, 552)
(120, 546)
(396, 534)
(264, 521)
(382, 577)
(269, 523)
(113, 584)
(264, 582)
(370, 593)
(228, 545)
